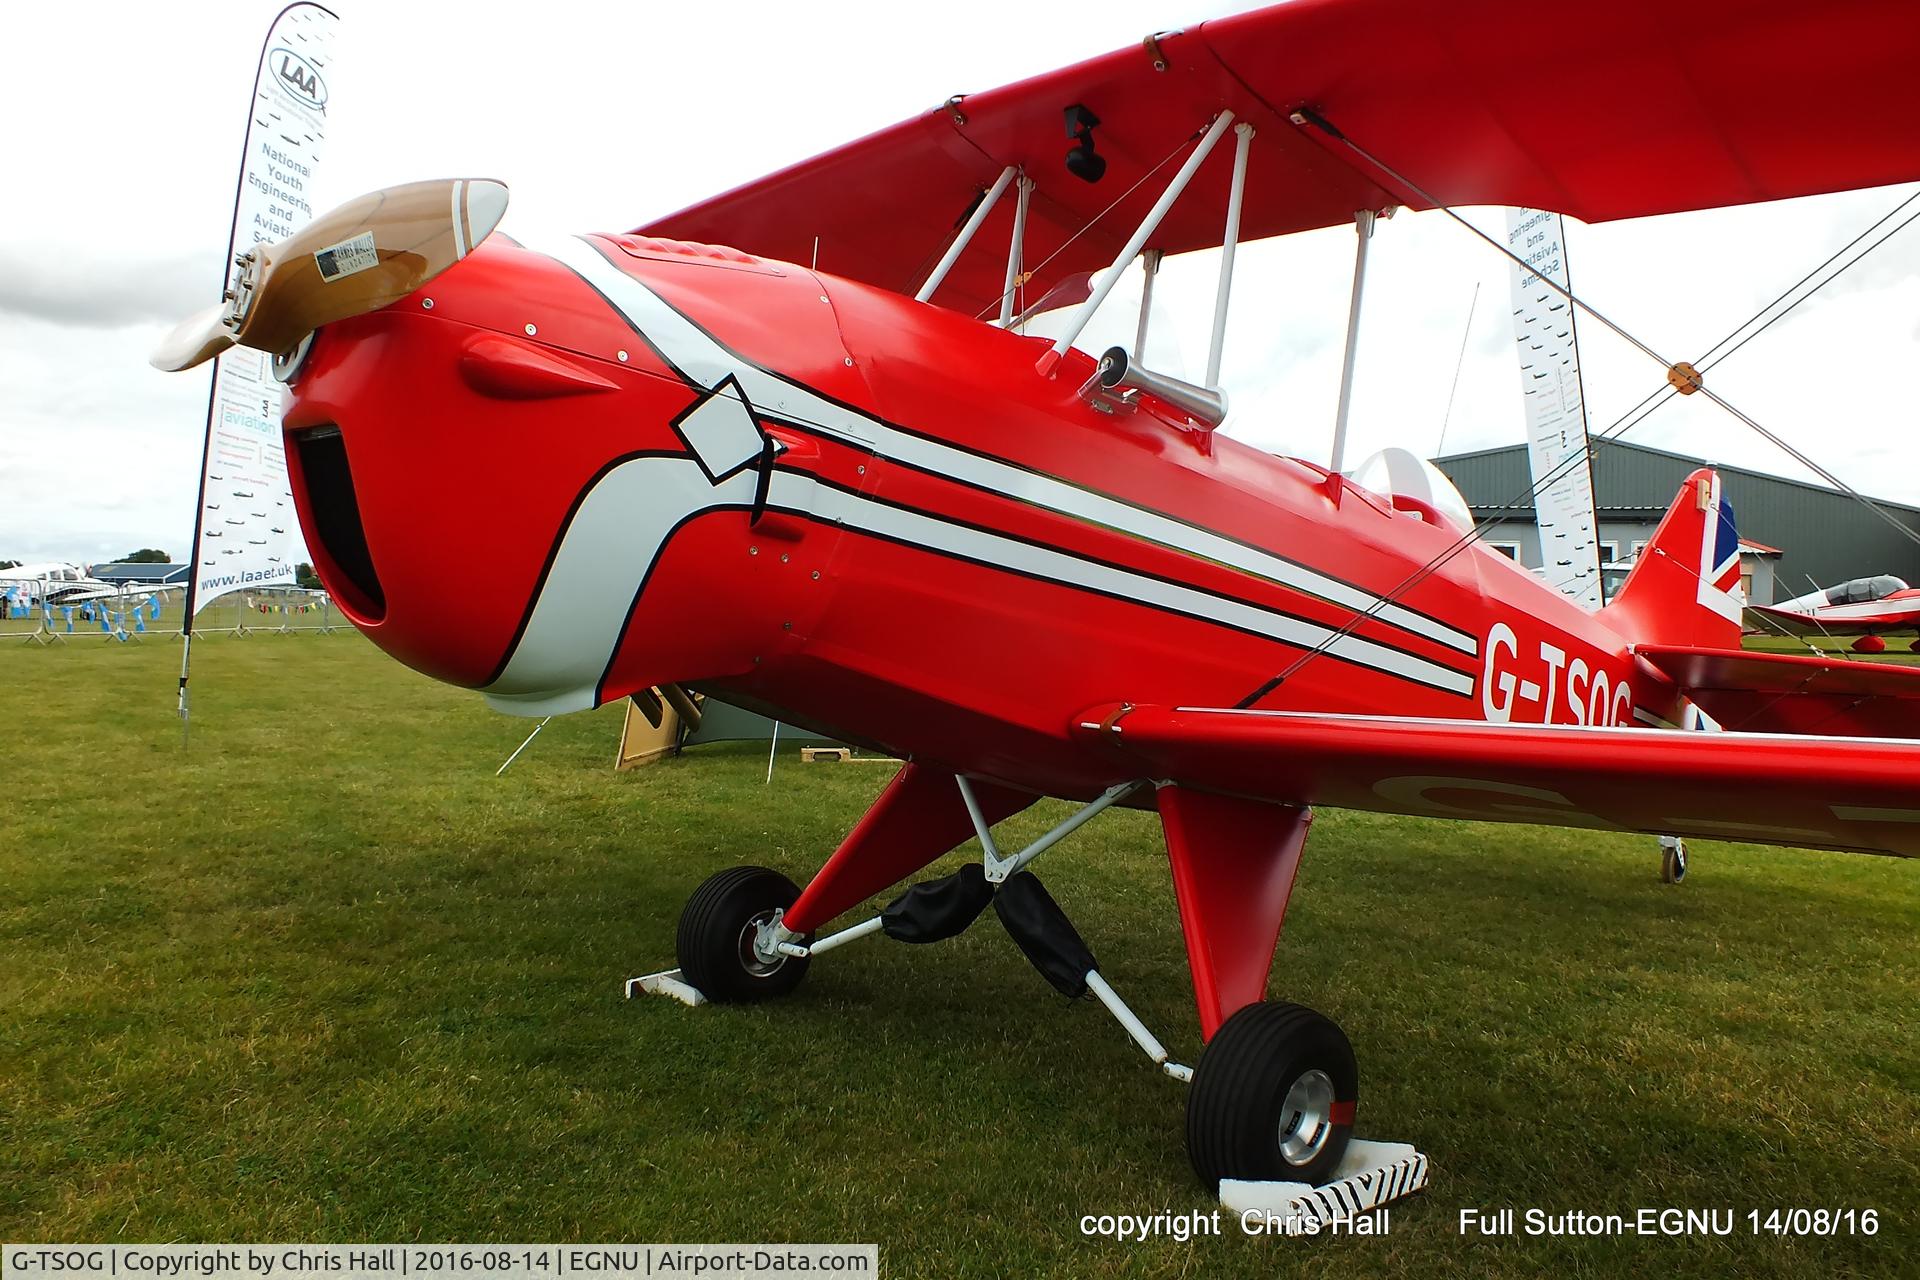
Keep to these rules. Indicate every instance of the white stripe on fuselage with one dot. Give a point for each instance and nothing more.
(624, 522)
(603, 559)
(700, 357)
(801, 494)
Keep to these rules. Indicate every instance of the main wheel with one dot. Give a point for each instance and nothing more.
(718, 928)
(1273, 1097)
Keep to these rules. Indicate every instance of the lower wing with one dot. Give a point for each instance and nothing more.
(1859, 794)
(1899, 616)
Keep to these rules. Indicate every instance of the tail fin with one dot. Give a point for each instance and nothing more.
(1685, 586)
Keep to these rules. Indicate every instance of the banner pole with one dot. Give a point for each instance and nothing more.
(213, 391)
(297, 32)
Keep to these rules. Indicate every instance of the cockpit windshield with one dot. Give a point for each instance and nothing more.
(1864, 590)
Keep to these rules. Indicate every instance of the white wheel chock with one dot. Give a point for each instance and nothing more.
(668, 983)
(1370, 1176)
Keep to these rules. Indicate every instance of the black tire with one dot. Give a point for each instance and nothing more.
(715, 938)
(1239, 1117)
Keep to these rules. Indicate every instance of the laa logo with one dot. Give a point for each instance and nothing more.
(299, 78)
(1549, 688)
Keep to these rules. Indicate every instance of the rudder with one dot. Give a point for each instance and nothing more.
(1685, 586)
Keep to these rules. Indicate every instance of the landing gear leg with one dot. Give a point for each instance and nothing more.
(1272, 1100)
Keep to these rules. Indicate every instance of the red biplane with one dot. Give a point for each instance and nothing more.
(869, 503)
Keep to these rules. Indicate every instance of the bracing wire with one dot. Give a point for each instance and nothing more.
(1621, 425)
(1459, 363)
(1674, 370)
(1027, 273)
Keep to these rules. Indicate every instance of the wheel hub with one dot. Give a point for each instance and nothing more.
(1306, 1117)
(753, 958)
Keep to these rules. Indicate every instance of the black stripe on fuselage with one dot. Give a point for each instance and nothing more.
(1164, 579)
(553, 551)
(823, 430)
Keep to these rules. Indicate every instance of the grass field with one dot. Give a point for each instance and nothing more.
(322, 976)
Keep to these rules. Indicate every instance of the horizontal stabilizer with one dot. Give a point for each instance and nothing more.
(1861, 794)
(1793, 693)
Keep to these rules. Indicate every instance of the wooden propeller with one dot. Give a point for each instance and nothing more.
(356, 259)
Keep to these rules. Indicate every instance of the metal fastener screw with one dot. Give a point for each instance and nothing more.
(622, 355)
(784, 557)
(816, 575)
(753, 551)
(426, 304)
(531, 331)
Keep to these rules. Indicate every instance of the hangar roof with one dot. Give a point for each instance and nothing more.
(1823, 534)
(139, 572)
(1626, 478)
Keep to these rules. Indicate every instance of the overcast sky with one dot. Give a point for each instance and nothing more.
(124, 124)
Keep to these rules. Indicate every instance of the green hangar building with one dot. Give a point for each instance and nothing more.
(1793, 535)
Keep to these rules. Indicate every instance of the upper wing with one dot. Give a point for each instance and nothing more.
(1598, 110)
(1791, 693)
(1842, 793)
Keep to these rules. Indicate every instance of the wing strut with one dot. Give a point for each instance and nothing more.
(1233, 867)
(1229, 245)
(1135, 242)
(1016, 251)
(1363, 220)
(1682, 376)
(919, 817)
(965, 238)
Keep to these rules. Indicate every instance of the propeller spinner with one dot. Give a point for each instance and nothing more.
(358, 258)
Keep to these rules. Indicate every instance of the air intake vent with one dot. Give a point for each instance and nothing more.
(336, 519)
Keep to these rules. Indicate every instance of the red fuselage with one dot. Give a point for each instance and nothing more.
(564, 477)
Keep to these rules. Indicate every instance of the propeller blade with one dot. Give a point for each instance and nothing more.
(358, 258)
(200, 337)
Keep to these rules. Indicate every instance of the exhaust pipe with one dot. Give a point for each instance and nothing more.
(1118, 372)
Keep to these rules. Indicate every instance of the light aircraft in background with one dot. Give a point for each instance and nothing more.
(1869, 608)
(866, 502)
(123, 593)
(59, 584)
(55, 582)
